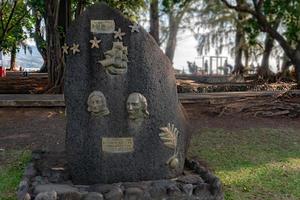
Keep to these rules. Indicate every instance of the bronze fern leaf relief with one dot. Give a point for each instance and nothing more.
(169, 136)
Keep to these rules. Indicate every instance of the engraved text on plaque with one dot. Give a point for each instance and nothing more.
(117, 145)
(102, 26)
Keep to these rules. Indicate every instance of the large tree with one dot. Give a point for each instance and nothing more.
(154, 20)
(175, 11)
(289, 10)
(13, 15)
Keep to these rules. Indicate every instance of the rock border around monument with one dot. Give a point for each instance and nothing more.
(47, 176)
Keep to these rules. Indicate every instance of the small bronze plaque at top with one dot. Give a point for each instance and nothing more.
(102, 26)
(117, 145)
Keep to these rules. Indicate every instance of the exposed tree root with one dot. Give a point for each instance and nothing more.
(286, 104)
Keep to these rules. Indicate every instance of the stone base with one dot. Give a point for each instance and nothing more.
(47, 178)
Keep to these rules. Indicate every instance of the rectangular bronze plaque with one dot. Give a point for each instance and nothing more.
(117, 145)
(102, 26)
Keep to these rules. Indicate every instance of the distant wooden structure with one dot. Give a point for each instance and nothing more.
(211, 65)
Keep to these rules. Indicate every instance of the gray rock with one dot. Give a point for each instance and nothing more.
(69, 196)
(27, 197)
(134, 193)
(30, 171)
(143, 185)
(36, 155)
(56, 176)
(102, 188)
(192, 179)
(149, 73)
(93, 196)
(23, 189)
(174, 191)
(159, 189)
(59, 188)
(208, 177)
(39, 179)
(147, 196)
(82, 188)
(216, 186)
(52, 195)
(188, 189)
(115, 194)
(202, 190)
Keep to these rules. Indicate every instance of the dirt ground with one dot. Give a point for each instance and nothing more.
(41, 128)
(32, 128)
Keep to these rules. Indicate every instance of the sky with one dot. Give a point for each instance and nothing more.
(185, 51)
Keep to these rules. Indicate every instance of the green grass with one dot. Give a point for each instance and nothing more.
(252, 163)
(11, 171)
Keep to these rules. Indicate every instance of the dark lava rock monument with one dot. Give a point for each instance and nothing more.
(124, 120)
(126, 135)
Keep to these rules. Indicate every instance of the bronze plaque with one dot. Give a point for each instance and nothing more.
(117, 145)
(102, 26)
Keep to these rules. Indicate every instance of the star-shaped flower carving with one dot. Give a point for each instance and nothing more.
(95, 43)
(119, 34)
(134, 28)
(65, 49)
(75, 48)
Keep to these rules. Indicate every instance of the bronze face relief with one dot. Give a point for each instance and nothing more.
(137, 106)
(97, 104)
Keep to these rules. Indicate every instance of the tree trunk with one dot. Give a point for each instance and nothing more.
(246, 54)
(80, 8)
(239, 42)
(154, 20)
(40, 42)
(172, 39)
(13, 55)
(264, 69)
(57, 15)
(296, 62)
(54, 55)
(238, 65)
(285, 64)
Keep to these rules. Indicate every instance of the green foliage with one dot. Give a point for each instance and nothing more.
(11, 172)
(18, 27)
(252, 29)
(260, 163)
(130, 8)
(169, 5)
(289, 11)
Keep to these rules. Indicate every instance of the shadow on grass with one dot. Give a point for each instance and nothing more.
(253, 163)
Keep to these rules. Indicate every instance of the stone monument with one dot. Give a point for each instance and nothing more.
(124, 120)
(126, 131)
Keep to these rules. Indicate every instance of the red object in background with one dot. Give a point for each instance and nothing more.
(2, 71)
(2, 68)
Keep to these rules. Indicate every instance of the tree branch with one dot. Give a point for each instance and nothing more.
(260, 4)
(265, 26)
(18, 21)
(5, 30)
(241, 8)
